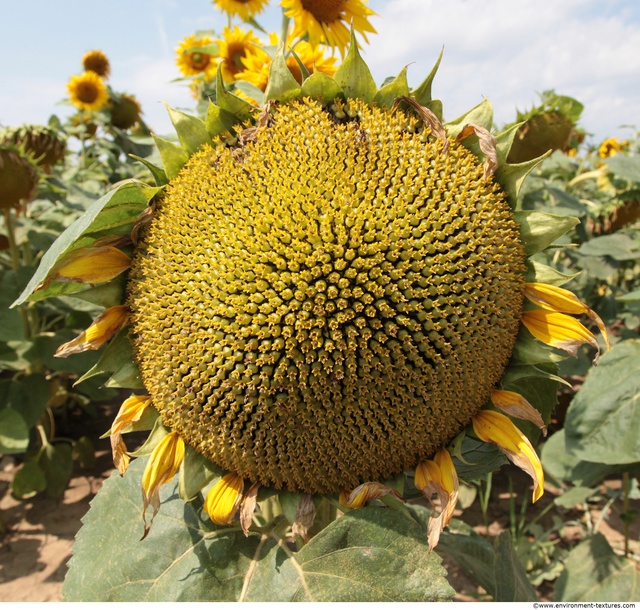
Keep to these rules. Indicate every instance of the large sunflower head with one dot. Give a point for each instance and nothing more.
(325, 295)
(328, 21)
(96, 61)
(193, 58)
(244, 9)
(87, 91)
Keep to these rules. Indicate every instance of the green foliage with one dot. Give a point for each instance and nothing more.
(186, 558)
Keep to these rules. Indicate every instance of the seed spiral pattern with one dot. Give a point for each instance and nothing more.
(330, 302)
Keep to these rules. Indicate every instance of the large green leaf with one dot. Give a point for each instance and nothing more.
(602, 420)
(370, 554)
(14, 432)
(625, 166)
(619, 246)
(114, 213)
(594, 573)
(495, 567)
(540, 230)
(561, 466)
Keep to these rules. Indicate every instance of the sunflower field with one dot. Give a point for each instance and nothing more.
(343, 346)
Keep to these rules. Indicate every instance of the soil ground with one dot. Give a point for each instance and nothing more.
(35, 550)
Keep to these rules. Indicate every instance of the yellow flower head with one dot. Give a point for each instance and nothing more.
(328, 21)
(244, 9)
(96, 61)
(193, 63)
(611, 147)
(87, 91)
(235, 45)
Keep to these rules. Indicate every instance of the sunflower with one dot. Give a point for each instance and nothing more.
(87, 91)
(235, 46)
(125, 111)
(331, 297)
(611, 147)
(256, 65)
(328, 21)
(245, 9)
(18, 177)
(96, 61)
(197, 62)
(44, 144)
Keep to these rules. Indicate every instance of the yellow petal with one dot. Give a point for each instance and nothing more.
(516, 405)
(160, 469)
(224, 498)
(102, 329)
(499, 430)
(438, 476)
(564, 301)
(130, 411)
(91, 265)
(558, 330)
(366, 492)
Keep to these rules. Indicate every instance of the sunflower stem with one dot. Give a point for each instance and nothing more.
(284, 30)
(625, 508)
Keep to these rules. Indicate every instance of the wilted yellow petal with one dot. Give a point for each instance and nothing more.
(92, 265)
(499, 430)
(305, 516)
(102, 329)
(130, 411)
(160, 469)
(224, 498)
(487, 143)
(564, 301)
(248, 507)
(366, 492)
(558, 330)
(438, 476)
(516, 405)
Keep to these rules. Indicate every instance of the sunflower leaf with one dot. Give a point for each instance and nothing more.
(173, 156)
(422, 94)
(398, 87)
(600, 424)
(191, 130)
(482, 115)
(282, 86)
(320, 86)
(540, 230)
(512, 176)
(229, 102)
(219, 120)
(158, 173)
(115, 212)
(354, 77)
(543, 274)
(370, 554)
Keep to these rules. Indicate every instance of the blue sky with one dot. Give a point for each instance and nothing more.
(505, 50)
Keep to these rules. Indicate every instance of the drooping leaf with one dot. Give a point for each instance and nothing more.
(115, 212)
(594, 573)
(601, 423)
(370, 554)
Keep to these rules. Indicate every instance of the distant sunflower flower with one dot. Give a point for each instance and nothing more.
(235, 45)
(328, 21)
(245, 9)
(97, 62)
(87, 91)
(194, 63)
(611, 147)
